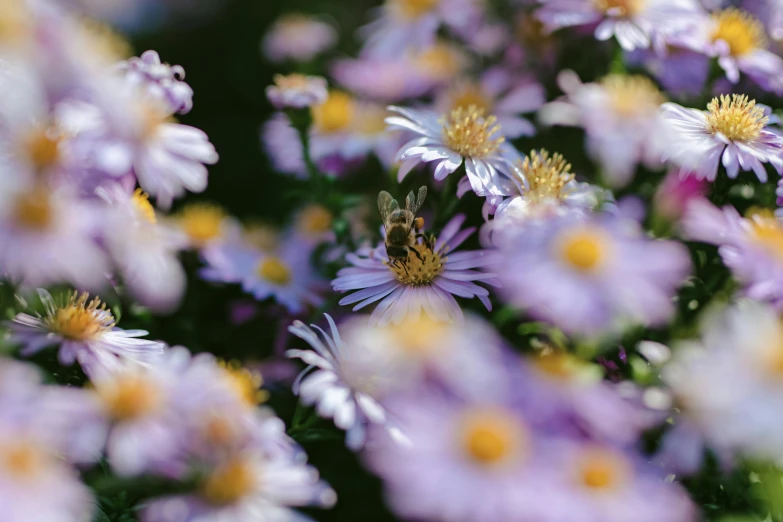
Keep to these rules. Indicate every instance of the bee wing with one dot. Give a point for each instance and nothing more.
(386, 205)
(412, 203)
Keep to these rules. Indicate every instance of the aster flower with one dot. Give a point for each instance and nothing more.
(751, 247)
(297, 37)
(205, 223)
(728, 385)
(621, 118)
(465, 135)
(732, 131)
(297, 91)
(85, 332)
(634, 23)
(313, 224)
(162, 81)
(677, 190)
(283, 147)
(285, 274)
(383, 79)
(590, 276)
(424, 285)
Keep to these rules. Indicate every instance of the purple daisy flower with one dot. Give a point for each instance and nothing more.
(297, 37)
(590, 276)
(732, 131)
(465, 135)
(85, 333)
(297, 91)
(424, 285)
(162, 81)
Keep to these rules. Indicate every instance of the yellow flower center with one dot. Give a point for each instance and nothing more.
(491, 438)
(244, 383)
(23, 460)
(141, 200)
(557, 364)
(583, 249)
(767, 230)
(43, 148)
(469, 94)
(470, 134)
(130, 396)
(741, 31)
(370, 120)
(291, 81)
(14, 22)
(736, 117)
(80, 320)
(228, 483)
(201, 222)
(440, 61)
(601, 469)
(632, 95)
(620, 7)
(153, 116)
(412, 9)
(33, 210)
(335, 114)
(417, 272)
(274, 270)
(546, 176)
(261, 235)
(104, 41)
(219, 430)
(314, 220)
(419, 336)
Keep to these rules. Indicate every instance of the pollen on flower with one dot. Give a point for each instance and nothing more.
(632, 94)
(141, 200)
(130, 396)
(736, 117)
(417, 272)
(469, 94)
(314, 220)
(468, 132)
(624, 8)
(228, 483)
(274, 270)
(79, 319)
(33, 210)
(546, 175)
(412, 9)
(490, 438)
(335, 114)
(740, 30)
(23, 460)
(201, 221)
(244, 383)
(603, 469)
(583, 249)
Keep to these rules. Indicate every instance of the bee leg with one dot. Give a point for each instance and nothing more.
(427, 241)
(416, 253)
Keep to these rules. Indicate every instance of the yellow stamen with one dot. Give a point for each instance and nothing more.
(141, 200)
(546, 176)
(440, 61)
(632, 95)
(43, 148)
(740, 30)
(767, 231)
(262, 235)
(420, 336)
(15, 26)
(419, 272)
(335, 114)
(736, 117)
(244, 383)
(130, 396)
(583, 249)
(80, 320)
(33, 210)
(23, 460)
(557, 364)
(412, 9)
(274, 270)
(314, 220)
(623, 8)
(469, 133)
(603, 469)
(229, 482)
(492, 438)
(470, 94)
(202, 222)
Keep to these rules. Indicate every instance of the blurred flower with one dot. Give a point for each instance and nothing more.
(283, 147)
(680, 71)
(464, 135)
(751, 247)
(297, 37)
(297, 91)
(204, 223)
(621, 118)
(591, 276)
(383, 79)
(499, 93)
(162, 81)
(313, 223)
(635, 23)
(285, 274)
(85, 332)
(677, 190)
(427, 282)
(728, 385)
(733, 130)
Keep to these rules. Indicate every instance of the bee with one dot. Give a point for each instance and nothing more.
(402, 226)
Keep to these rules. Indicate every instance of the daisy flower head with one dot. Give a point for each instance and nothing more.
(591, 276)
(297, 91)
(729, 383)
(162, 81)
(298, 37)
(85, 331)
(426, 282)
(621, 118)
(634, 23)
(464, 135)
(751, 247)
(204, 223)
(733, 131)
